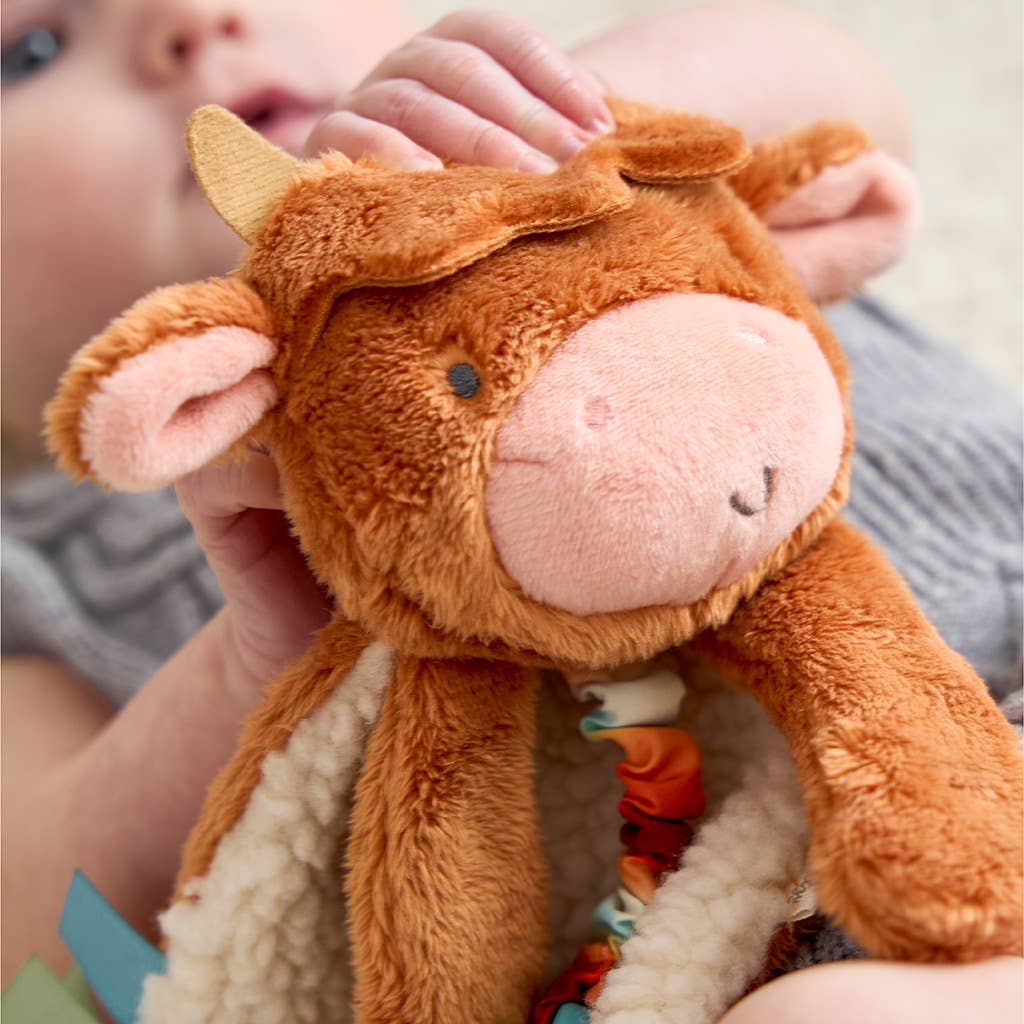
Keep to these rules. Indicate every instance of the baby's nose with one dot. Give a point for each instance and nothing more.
(170, 35)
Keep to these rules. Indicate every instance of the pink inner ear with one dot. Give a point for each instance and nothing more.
(170, 410)
(850, 222)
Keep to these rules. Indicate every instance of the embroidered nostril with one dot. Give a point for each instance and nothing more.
(596, 412)
(736, 501)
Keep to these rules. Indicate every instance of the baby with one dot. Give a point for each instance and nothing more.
(99, 207)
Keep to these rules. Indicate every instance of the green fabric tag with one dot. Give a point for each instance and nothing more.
(36, 996)
(78, 988)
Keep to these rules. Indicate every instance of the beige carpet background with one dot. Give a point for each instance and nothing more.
(960, 66)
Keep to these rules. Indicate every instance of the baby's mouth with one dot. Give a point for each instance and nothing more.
(279, 115)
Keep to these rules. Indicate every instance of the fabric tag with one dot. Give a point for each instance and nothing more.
(653, 699)
(114, 958)
(36, 996)
(76, 986)
(802, 900)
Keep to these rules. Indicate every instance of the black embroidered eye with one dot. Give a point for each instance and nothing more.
(30, 52)
(464, 380)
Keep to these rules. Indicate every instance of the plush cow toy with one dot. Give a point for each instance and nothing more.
(585, 426)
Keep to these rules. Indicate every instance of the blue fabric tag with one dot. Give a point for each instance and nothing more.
(114, 958)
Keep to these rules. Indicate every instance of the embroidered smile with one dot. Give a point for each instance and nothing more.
(736, 502)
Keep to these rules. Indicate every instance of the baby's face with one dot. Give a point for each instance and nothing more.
(98, 202)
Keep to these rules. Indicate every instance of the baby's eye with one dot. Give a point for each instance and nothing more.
(30, 52)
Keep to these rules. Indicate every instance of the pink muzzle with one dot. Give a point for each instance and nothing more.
(662, 451)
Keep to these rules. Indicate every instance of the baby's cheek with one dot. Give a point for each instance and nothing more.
(95, 213)
(341, 41)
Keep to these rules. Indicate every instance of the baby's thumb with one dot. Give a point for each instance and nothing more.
(212, 497)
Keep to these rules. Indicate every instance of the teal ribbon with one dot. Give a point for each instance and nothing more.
(613, 921)
(114, 958)
(571, 1013)
(595, 721)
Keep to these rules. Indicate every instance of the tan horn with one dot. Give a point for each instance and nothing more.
(240, 173)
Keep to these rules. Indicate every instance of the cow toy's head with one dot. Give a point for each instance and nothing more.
(577, 417)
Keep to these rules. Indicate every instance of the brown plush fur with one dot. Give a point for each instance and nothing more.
(446, 849)
(663, 147)
(374, 283)
(342, 226)
(367, 423)
(911, 776)
(780, 166)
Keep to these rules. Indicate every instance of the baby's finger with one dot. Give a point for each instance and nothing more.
(235, 511)
(356, 136)
(445, 127)
(467, 75)
(215, 498)
(532, 59)
(222, 491)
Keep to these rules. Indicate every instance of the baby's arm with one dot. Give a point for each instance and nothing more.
(868, 991)
(116, 794)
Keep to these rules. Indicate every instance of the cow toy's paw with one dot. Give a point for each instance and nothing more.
(919, 861)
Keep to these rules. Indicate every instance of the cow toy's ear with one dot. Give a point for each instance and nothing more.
(666, 147)
(839, 210)
(170, 385)
(241, 174)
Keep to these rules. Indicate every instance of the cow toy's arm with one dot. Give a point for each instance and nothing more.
(912, 778)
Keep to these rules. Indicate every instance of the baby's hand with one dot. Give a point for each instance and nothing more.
(480, 87)
(273, 603)
(855, 991)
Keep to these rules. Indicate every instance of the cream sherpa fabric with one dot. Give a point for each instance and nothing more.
(263, 939)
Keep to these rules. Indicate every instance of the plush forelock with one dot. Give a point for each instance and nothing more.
(341, 226)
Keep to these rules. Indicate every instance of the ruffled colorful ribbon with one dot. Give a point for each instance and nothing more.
(660, 770)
